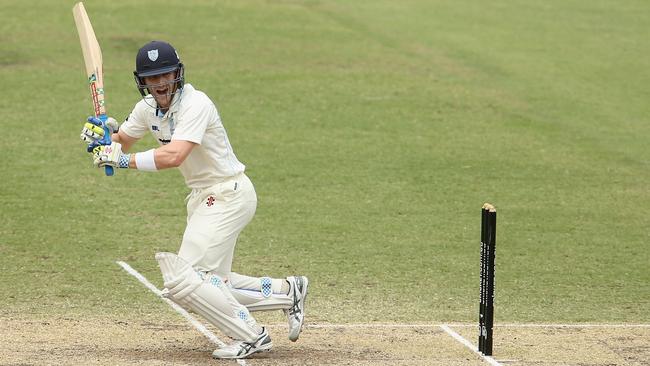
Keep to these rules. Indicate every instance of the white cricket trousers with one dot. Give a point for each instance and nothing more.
(215, 217)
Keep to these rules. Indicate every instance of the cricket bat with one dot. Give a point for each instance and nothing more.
(93, 60)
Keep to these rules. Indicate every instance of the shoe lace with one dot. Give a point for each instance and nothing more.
(295, 309)
(245, 347)
(242, 347)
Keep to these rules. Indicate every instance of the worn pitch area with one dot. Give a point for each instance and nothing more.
(69, 341)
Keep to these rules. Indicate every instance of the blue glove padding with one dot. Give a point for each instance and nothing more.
(92, 130)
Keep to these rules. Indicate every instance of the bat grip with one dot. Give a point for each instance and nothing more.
(106, 140)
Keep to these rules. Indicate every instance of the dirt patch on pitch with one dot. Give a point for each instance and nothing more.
(68, 341)
(116, 342)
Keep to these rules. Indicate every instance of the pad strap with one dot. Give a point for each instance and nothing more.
(259, 293)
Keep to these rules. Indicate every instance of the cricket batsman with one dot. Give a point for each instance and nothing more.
(221, 203)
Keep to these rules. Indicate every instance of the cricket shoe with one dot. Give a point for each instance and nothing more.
(241, 349)
(296, 315)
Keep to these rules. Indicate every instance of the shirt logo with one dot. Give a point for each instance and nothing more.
(153, 55)
(210, 201)
(154, 128)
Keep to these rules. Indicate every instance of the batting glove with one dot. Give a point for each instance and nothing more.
(110, 155)
(93, 131)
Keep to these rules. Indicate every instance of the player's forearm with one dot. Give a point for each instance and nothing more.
(142, 161)
(154, 160)
(124, 139)
(167, 156)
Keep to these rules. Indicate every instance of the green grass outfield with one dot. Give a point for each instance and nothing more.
(373, 131)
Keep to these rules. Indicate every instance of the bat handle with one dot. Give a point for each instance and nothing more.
(106, 140)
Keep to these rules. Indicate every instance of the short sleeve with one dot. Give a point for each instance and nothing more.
(135, 125)
(193, 121)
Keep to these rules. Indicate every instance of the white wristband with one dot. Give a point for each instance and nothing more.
(145, 161)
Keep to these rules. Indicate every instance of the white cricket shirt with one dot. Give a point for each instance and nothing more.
(193, 117)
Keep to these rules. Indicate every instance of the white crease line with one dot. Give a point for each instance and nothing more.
(586, 325)
(370, 325)
(467, 344)
(466, 325)
(198, 325)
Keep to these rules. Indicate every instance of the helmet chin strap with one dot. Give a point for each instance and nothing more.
(169, 96)
(174, 96)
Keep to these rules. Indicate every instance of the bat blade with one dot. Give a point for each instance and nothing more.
(92, 54)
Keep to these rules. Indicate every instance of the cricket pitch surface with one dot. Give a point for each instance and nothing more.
(70, 341)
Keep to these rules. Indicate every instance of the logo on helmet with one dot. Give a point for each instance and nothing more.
(153, 55)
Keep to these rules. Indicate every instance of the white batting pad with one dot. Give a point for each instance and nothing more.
(207, 296)
(257, 293)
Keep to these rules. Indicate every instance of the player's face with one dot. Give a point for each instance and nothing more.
(162, 87)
